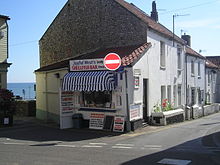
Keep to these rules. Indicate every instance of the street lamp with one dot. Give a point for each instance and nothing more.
(174, 16)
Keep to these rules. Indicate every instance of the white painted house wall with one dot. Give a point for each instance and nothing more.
(211, 77)
(150, 68)
(195, 81)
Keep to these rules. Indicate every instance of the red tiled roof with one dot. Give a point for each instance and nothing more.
(192, 52)
(135, 55)
(147, 19)
(128, 54)
(214, 59)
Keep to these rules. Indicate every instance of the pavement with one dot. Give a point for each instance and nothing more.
(189, 142)
(49, 131)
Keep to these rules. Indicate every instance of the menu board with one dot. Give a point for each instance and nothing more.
(67, 102)
(96, 121)
(119, 123)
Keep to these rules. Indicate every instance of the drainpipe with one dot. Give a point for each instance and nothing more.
(186, 84)
(46, 97)
(128, 125)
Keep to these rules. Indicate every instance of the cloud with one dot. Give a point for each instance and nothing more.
(216, 26)
(198, 23)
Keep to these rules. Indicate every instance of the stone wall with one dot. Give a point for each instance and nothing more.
(84, 26)
(197, 112)
(206, 110)
(25, 108)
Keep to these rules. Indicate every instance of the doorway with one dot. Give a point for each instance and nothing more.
(145, 100)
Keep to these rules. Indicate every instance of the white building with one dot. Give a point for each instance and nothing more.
(195, 77)
(3, 51)
(153, 75)
(212, 90)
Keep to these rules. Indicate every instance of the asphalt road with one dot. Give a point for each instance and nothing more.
(194, 142)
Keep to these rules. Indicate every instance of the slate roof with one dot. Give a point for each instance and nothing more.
(190, 51)
(209, 64)
(5, 17)
(214, 59)
(149, 21)
(128, 54)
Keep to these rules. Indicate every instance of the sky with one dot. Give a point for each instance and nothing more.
(31, 18)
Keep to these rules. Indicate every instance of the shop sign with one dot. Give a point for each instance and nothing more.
(67, 102)
(135, 112)
(96, 121)
(86, 65)
(119, 123)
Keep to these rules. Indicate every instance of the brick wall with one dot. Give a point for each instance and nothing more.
(83, 26)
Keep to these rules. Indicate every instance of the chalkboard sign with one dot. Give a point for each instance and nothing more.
(109, 120)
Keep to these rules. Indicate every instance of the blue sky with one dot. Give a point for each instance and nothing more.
(31, 18)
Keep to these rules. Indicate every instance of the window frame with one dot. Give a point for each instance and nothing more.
(199, 69)
(162, 55)
(92, 94)
(192, 68)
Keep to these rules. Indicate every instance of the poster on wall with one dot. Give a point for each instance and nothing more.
(66, 109)
(119, 123)
(67, 102)
(136, 82)
(96, 121)
(135, 112)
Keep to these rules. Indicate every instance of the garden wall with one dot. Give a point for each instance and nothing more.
(168, 117)
(198, 112)
(25, 108)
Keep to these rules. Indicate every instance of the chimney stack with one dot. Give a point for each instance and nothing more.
(154, 13)
(187, 38)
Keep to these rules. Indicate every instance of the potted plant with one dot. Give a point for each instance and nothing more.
(166, 113)
(6, 107)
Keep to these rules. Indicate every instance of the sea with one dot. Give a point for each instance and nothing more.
(25, 90)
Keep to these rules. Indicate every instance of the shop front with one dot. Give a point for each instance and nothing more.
(95, 94)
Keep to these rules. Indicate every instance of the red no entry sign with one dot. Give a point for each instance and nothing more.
(112, 61)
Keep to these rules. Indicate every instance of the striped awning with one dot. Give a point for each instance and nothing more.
(88, 81)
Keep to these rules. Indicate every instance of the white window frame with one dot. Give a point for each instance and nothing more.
(199, 69)
(169, 93)
(192, 68)
(162, 55)
(179, 93)
(179, 59)
(163, 93)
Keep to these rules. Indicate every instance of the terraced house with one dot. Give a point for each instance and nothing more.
(73, 79)
(3, 50)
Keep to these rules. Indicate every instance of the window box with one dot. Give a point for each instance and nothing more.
(167, 117)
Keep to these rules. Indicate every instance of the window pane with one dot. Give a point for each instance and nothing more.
(97, 99)
(169, 93)
(179, 61)
(192, 67)
(162, 54)
(179, 95)
(163, 94)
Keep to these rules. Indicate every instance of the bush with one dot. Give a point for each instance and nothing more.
(7, 105)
